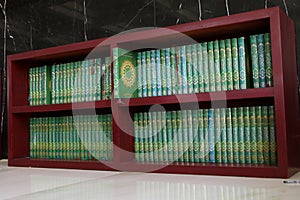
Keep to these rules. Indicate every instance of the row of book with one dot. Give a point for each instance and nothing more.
(220, 65)
(243, 135)
(82, 137)
(80, 81)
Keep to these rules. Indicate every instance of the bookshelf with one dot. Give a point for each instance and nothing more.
(283, 95)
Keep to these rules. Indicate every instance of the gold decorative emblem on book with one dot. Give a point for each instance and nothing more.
(128, 73)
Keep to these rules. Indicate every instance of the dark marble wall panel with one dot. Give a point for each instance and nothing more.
(36, 24)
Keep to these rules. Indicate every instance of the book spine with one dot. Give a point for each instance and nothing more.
(153, 73)
(191, 137)
(111, 139)
(241, 135)
(149, 74)
(206, 135)
(211, 136)
(235, 135)
(32, 137)
(170, 136)
(174, 74)
(141, 136)
(229, 135)
(266, 135)
(178, 69)
(146, 137)
(116, 73)
(223, 135)
(99, 73)
(175, 135)
(75, 82)
(136, 137)
(160, 137)
(268, 60)
(180, 135)
(30, 86)
(160, 74)
(261, 60)
(243, 76)
(168, 70)
(253, 134)
(218, 141)
(195, 68)
(223, 65)
(195, 136)
(185, 138)
(254, 60)
(206, 79)
(217, 66)
(229, 64)
(144, 74)
(155, 134)
(260, 156)
(190, 76)
(273, 143)
(183, 69)
(211, 67)
(235, 64)
(163, 127)
(38, 86)
(139, 74)
(109, 85)
(200, 68)
(201, 136)
(247, 135)
(150, 133)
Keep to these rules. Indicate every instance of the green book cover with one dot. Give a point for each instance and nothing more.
(160, 137)
(273, 143)
(141, 136)
(195, 68)
(201, 134)
(139, 74)
(61, 83)
(146, 137)
(254, 60)
(206, 78)
(253, 138)
(168, 70)
(98, 72)
(229, 135)
(116, 73)
(211, 136)
(243, 72)
(261, 60)
(159, 74)
(211, 67)
(65, 85)
(195, 132)
(68, 84)
(75, 82)
(190, 76)
(247, 135)
(163, 127)
(235, 135)
(111, 139)
(217, 60)
(154, 85)
(42, 86)
(259, 136)
(174, 75)
(144, 74)
(136, 137)
(175, 136)
(235, 64)
(38, 85)
(206, 135)
(151, 140)
(180, 135)
(155, 134)
(268, 60)
(223, 135)
(36, 96)
(178, 69)
(191, 137)
(108, 78)
(183, 67)
(149, 74)
(200, 67)
(170, 136)
(229, 64)
(185, 138)
(218, 135)
(241, 135)
(266, 135)
(32, 137)
(34, 77)
(222, 50)
(30, 86)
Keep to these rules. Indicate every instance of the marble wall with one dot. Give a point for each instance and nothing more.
(28, 25)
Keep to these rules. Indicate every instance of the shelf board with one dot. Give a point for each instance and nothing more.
(253, 93)
(61, 107)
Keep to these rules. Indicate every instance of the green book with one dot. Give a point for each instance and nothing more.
(241, 135)
(136, 137)
(268, 60)
(235, 135)
(168, 70)
(200, 67)
(144, 74)
(201, 134)
(229, 135)
(211, 135)
(223, 135)
(30, 86)
(191, 136)
(217, 60)
(243, 71)
(195, 69)
(261, 60)
(146, 137)
(222, 50)
(149, 74)
(218, 135)
(229, 64)
(266, 135)
(108, 78)
(32, 96)
(160, 137)
(211, 67)
(151, 139)
(190, 76)
(139, 74)
(235, 64)
(183, 67)
(180, 135)
(154, 85)
(174, 75)
(99, 73)
(161, 72)
(206, 135)
(195, 136)
(259, 136)
(206, 78)
(175, 136)
(247, 135)
(185, 134)
(155, 136)
(163, 127)
(111, 139)
(253, 137)
(170, 136)
(38, 80)
(254, 60)
(32, 137)
(141, 137)
(273, 143)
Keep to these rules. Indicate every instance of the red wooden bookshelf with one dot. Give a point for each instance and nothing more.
(283, 95)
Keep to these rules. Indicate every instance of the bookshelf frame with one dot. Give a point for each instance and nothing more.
(283, 94)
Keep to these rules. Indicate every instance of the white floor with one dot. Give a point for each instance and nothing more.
(56, 184)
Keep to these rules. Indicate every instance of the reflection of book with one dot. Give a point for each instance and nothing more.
(125, 77)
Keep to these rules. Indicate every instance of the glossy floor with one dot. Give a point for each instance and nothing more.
(56, 184)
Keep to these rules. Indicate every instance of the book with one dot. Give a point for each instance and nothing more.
(180, 135)
(160, 137)
(168, 70)
(141, 136)
(206, 79)
(160, 74)
(195, 69)
(273, 143)
(200, 67)
(235, 64)
(235, 135)
(223, 135)
(241, 135)
(144, 74)
(202, 132)
(164, 129)
(189, 64)
(211, 67)
(261, 60)
(125, 72)
(268, 60)
(149, 74)
(196, 138)
(253, 135)
(211, 136)
(266, 135)
(184, 69)
(155, 134)
(175, 130)
(136, 137)
(217, 66)
(247, 135)
(259, 137)
(139, 74)
(229, 64)
(217, 135)
(154, 85)
(170, 136)
(206, 135)
(243, 64)
(222, 51)
(191, 137)
(254, 60)
(146, 137)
